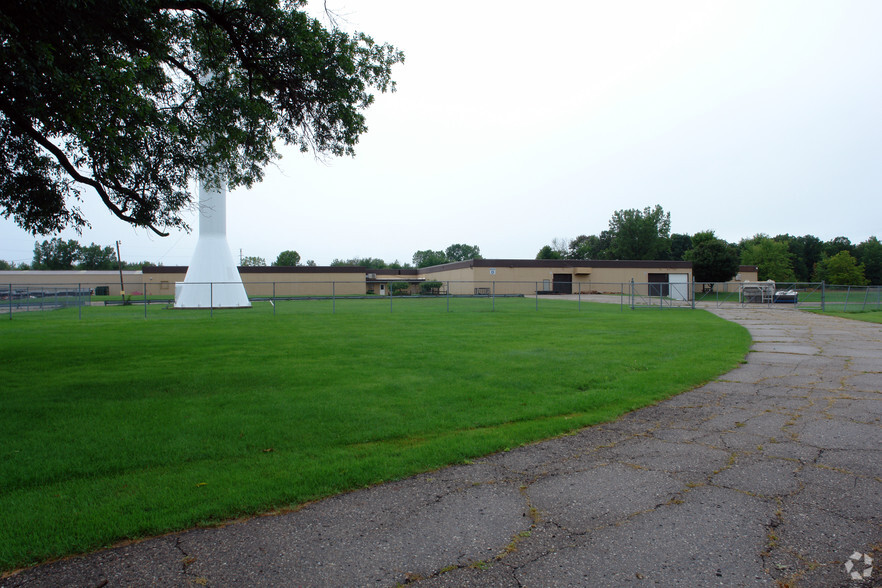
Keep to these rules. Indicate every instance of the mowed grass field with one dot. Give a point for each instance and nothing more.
(116, 427)
(869, 316)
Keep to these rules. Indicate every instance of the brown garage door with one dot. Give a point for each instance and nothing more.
(658, 284)
(563, 283)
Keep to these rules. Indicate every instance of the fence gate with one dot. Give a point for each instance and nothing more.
(658, 284)
(679, 286)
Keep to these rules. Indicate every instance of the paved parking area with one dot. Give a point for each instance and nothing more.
(769, 476)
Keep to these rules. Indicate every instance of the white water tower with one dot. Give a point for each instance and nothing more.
(212, 280)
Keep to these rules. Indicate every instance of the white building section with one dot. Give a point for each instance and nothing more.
(212, 279)
(679, 284)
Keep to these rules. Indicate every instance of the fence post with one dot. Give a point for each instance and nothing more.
(823, 298)
(210, 300)
(537, 295)
(492, 296)
(273, 301)
(10, 301)
(79, 306)
(448, 295)
(389, 291)
(579, 286)
(693, 293)
(845, 306)
(144, 288)
(632, 293)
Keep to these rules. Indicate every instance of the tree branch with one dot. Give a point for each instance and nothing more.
(217, 18)
(65, 163)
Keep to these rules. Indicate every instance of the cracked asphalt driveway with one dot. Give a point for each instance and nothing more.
(769, 476)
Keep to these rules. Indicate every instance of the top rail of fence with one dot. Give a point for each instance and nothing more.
(87, 294)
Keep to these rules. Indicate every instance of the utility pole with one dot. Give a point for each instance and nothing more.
(122, 287)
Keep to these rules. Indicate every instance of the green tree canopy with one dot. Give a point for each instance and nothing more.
(680, 244)
(137, 265)
(590, 246)
(702, 237)
(869, 254)
(461, 252)
(582, 247)
(713, 260)
(368, 262)
(96, 257)
(56, 254)
(559, 249)
(428, 258)
(842, 269)
(548, 252)
(132, 99)
(805, 251)
(287, 258)
(640, 234)
(252, 261)
(837, 244)
(772, 258)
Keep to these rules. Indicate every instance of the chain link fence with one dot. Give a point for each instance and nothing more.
(36, 298)
(852, 298)
(147, 299)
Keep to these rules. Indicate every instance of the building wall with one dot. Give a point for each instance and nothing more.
(281, 282)
(747, 273)
(526, 277)
(160, 281)
(499, 276)
(71, 280)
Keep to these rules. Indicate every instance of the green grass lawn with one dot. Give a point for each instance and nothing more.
(117, 427)
(870, 316)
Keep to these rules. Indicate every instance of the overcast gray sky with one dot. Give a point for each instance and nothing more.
(518, 122)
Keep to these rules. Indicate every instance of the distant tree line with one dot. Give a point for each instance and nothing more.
(645, 234)
(632, 235)
(58, 254)
(423, 258)
(287, 258)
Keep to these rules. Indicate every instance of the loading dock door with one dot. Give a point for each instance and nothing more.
(679, 286)
(563, 283)
(658, 284)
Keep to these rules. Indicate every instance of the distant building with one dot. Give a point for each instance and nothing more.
(501, 277)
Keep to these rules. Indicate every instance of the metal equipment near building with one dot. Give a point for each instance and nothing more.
(758, 292)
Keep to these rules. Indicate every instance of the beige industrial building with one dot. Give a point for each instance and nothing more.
(70, 280)
(273, 282)
(528, 277)
(522, 276)
(478, 276)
